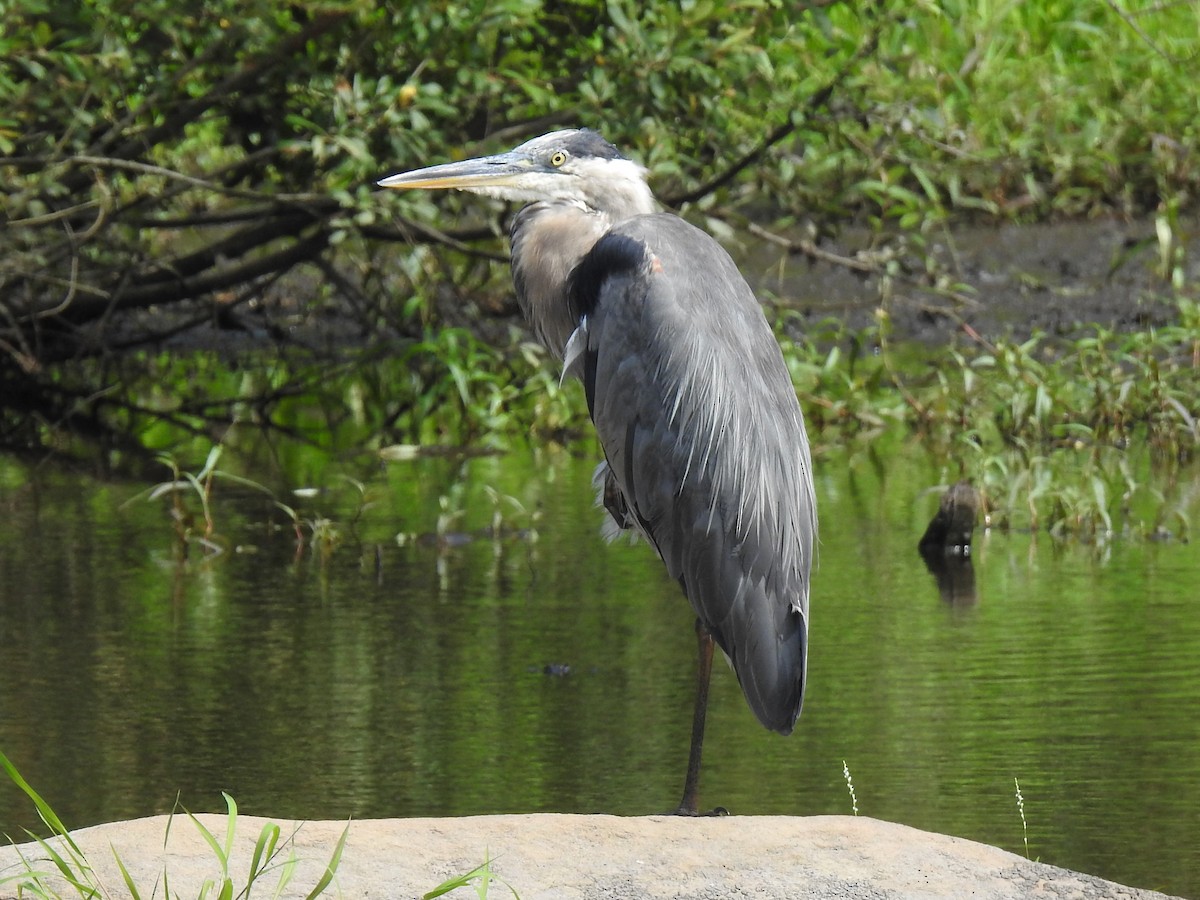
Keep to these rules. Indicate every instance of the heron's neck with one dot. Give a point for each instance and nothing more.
(548, 241)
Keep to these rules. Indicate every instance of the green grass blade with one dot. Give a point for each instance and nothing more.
(264, 852)
(211, 462)
(244, 482)
(48, 815)
(230, 823)
(212, 842)
(286, 871)
(453, 884)
(332, 867)
(30, 880)
(128, 879)
(32, 887)
(86, 888)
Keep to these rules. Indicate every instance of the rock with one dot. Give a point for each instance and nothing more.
(584, 857)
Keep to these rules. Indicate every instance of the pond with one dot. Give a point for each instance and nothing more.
(450, 636)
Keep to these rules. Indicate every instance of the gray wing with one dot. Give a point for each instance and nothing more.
(705, 442)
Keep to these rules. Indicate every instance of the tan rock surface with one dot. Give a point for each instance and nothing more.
(570, 857)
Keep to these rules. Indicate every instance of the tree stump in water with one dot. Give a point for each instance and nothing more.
(946, 545)
(951, 527)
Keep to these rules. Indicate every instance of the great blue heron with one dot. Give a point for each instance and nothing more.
(705, 450)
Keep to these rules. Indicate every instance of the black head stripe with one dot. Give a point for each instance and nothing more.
(588, 143)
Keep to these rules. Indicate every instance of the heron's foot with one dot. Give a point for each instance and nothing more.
(682, 810)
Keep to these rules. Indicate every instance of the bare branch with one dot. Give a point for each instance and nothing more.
(865, 266)
(141, 168)
(173, 291)
(52, 217)
(410, 232)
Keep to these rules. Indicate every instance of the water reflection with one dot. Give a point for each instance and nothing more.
(954, 575)
(528, 666)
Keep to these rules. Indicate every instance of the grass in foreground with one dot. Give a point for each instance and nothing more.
(480, 878)
(1021, 812)
(65, 870)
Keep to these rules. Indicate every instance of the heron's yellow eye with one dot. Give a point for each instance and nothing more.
(558, 158)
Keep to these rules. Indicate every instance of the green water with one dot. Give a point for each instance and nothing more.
(409, 678)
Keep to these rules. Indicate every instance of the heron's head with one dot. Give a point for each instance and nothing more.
(574, 166)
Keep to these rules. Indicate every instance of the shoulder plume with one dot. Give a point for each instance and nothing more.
(613, 254)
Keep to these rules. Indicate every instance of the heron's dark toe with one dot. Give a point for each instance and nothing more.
(685, 811)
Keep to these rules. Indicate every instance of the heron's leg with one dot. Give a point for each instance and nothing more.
(689, 805)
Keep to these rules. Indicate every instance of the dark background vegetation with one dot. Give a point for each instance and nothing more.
(191, 235)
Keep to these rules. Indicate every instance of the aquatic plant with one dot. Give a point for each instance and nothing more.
(198, 487)
(1090, 437)
(1085, 437)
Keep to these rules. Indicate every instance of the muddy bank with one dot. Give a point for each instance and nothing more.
(1055, 278)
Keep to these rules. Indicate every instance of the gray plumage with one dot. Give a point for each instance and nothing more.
(705, 450)
(712, 458)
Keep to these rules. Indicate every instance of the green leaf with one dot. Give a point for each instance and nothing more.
(125, 876)
(458, 881)
(44, 811)
(264, 851)
(332, 867)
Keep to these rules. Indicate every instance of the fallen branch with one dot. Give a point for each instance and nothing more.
(857, 264)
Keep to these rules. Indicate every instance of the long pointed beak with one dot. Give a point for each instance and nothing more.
(498, 171)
